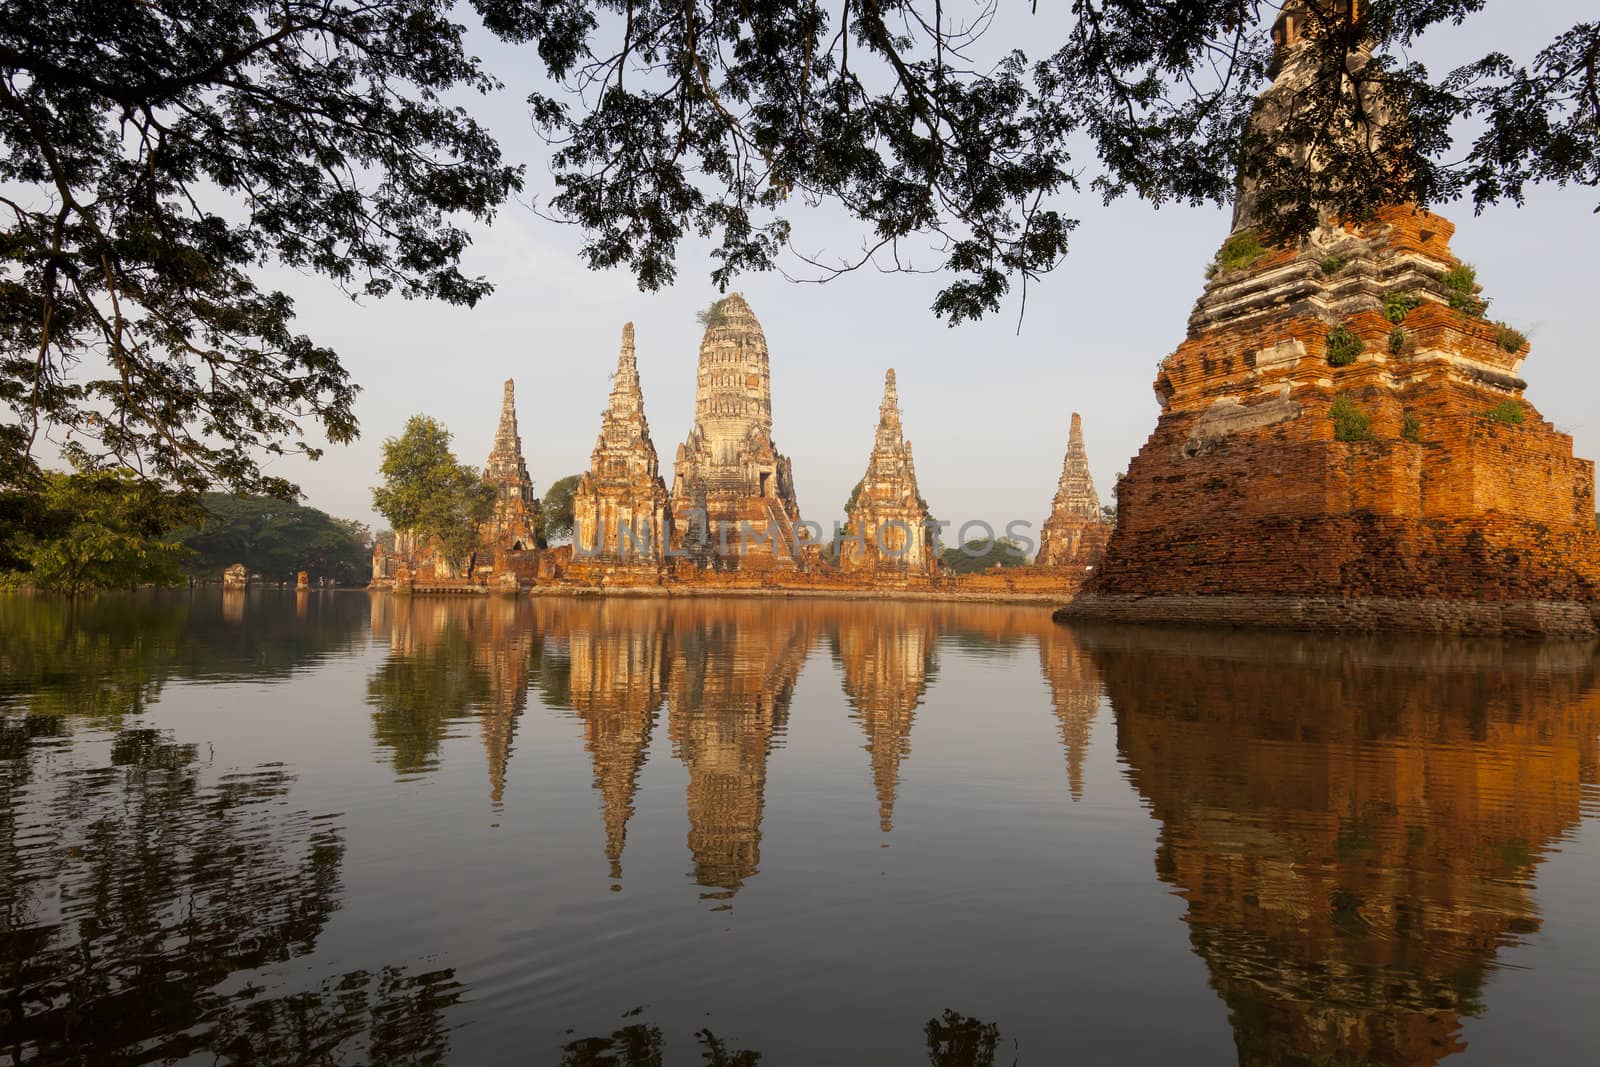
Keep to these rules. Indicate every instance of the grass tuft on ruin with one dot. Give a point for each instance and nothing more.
(1343, 346)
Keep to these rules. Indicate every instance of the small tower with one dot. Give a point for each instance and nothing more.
(886, 518)
(1075, 534)
(621, 511)
(516, 522)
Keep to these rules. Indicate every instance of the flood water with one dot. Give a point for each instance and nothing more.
(339, 828)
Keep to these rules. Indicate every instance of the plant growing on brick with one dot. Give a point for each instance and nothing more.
(1343, 346)
(1508, 337)
(1240, 250)
(1461, 286)
(1507, 411)
(1397, 305)
(1350, 423)
(1411, 427)
(1397, 341)
(1333, 264)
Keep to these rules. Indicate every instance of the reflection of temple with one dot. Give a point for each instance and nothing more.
(449, 659)
(618, 656)
(1075, 695)
(887, 663)
(732, 676)
(504, 652)
(1355, 826)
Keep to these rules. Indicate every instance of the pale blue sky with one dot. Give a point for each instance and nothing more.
(986, 408)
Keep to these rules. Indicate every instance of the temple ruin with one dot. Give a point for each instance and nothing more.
(622, 514)
(886, 518)
(516, 523)
(1074, 536)
(733, 502)
(1344, 442)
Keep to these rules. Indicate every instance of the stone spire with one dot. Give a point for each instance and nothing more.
(516, 520)
(1076, 532)
(1075, 493)
(887, 510)
(729, 466)
(1295, 69)
(621, 511)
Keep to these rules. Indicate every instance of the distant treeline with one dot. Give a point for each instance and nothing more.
(110, 529)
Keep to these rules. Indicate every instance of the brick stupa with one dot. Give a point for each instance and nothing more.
(1074, 536)
(733, 502)
(1344, 443)
(886, 518)
(516, 523)
(621, 512)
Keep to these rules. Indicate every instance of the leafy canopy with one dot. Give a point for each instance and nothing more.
(275, 538)
(95, 529)
(158, 154)
(556, 508)
(980, 553)
(428, 493)
(921, 119)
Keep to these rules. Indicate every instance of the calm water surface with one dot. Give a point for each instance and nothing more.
(332, 828)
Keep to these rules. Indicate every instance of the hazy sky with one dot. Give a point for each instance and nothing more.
(986, 407)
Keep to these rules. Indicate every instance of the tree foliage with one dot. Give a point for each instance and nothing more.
(427, 493)
(556, 508)
(981, 553)
(157, 155)
(94, 529)
(275, 538)
(704, 117)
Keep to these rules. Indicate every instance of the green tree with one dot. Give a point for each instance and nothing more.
(275, 538)
(980, 553)
(556, 508)
(428, 493)
(712, 118)
(96, 529)
(157, 155)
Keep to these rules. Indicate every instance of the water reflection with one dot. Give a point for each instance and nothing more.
(1355, 827)
(141, 883)
(104, 659)
(618, 657)
(1354, 824)
(449, 661)
(887, 659)
(951, 1040)
(1074, 694)
(731, 680)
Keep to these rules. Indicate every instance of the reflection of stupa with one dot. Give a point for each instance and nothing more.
(1355, 835)
(1075, 694)
(450, 659)
(618, 683)
(503, 649)
(732, 677)
(888, 658)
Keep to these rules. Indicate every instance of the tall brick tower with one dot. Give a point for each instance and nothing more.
(729, 478)
(1344, 442)
(516, 521)
(621, 512)
(1075, 534)
(887, 513)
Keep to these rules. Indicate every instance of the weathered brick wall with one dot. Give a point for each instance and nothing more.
(1244, 490)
